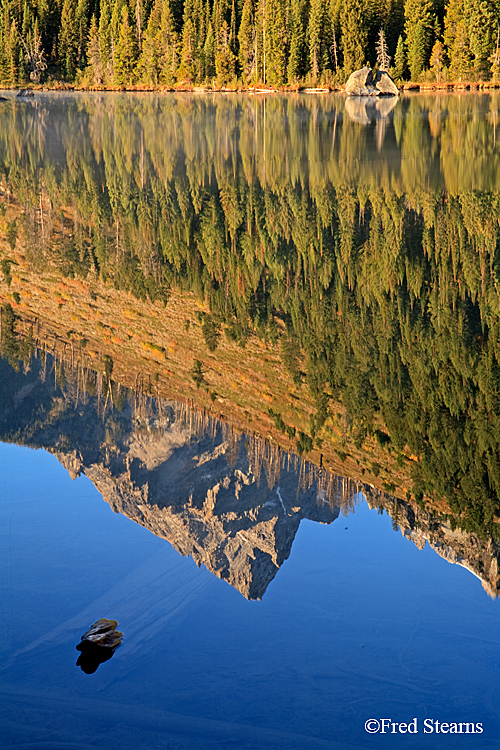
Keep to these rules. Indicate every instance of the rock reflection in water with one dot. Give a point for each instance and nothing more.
(365, 110)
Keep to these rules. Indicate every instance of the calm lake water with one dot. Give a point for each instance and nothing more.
(261, 613)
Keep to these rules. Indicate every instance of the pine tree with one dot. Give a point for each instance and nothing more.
(13, 54)
(95, 72)
(315, 37)
(168, 44)
(276, 42)
(437, 60)
(148, 66)
(105, 41)
(354, 35)
(186, 66)
(246, 39)
(460, 55)
(209, 53)
(139, 22)
(296, 59)
(494, 59)
(225, 60)
(69, 38)
(419, 28)
(82, 22)
(399, 69)
(125, 51)
(482, 21)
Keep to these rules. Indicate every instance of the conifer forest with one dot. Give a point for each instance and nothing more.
(278, 43)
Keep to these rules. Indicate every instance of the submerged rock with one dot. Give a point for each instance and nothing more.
(98, 644)
(363, 83)
(103, 633)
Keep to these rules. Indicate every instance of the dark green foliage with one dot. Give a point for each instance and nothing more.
(197, 373)
(278, 421)
(304, 443)
(211, 332)
(5, 265)
(11, 233)
(13, 347)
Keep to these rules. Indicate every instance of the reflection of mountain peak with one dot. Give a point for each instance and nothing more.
(215, 512)
(233, 503)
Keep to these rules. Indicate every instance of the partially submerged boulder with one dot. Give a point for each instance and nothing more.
(363, 83)
(103, 633)
(98, 644)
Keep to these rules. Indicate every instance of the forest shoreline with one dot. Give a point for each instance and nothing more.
(419, 87)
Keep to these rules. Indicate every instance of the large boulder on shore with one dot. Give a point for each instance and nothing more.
(384, 83)
(360, 83)
(363, 83)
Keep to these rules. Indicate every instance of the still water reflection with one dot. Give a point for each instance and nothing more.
(322, 273)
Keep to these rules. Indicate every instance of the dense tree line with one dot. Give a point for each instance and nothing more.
(222, 42)
(377, 273)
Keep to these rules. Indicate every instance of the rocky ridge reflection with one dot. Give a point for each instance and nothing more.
(232, 502)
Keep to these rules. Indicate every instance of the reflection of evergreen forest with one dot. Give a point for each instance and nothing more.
(368, 254)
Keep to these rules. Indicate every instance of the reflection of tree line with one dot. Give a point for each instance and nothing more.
(61, 404)
(377, 275)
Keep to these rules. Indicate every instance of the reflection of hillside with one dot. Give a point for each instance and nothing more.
(232, 502)
(334, 286)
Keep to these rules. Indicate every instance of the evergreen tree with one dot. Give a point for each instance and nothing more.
(225, 60)
(105, 40)
(95, 71)
(148, 66)
(399, 69)
(315, 37)
(482, 23)
(494, 59)
(186, 70)
(354, 35)
(69, 38)
(437, 60)
(276, 42)
(83, 29)
(419, 28)
(247, 39)
(125, 51)
(296, 59)
(168, 44)
(209, 53)
(460, 54)
(13, 55)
